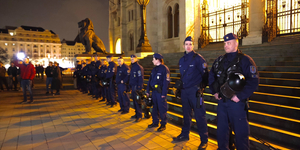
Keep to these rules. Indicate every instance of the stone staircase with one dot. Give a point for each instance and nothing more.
(274, 107)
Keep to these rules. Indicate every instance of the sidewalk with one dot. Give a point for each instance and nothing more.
(76, 121)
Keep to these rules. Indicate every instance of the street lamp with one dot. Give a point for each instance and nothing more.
(144, 45)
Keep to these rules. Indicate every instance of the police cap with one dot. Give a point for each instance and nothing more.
(230, 36)
(133, 56)
(189, 38)
(158, 56)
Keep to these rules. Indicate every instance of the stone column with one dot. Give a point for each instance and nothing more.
(256, 22)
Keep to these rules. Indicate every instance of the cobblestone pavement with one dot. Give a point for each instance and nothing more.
(74, 120)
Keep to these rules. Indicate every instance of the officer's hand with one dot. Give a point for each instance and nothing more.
(163, 96)
(217, 96)
(147, 94)
(235, 98)
(121, 81)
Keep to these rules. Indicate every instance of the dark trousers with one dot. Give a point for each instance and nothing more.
(49, 82)
(111, 93)
(104, 92)
(123, 97)
(26, 85)
(14, 81)
(189, 103)
(3, 81)
(159, 106)
(234, 114)
(137, 106)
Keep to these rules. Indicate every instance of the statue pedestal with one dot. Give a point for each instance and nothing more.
(143, 54)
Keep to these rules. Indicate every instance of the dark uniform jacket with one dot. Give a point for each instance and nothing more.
(136, 76)
(249, 70)
(193, 68)
(160, 75)
(123, 73)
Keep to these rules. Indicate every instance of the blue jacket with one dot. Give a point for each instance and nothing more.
(111, 70)
(160, 75)
(123, 73)
(136, 76)
(102, 72)
(196, 68)
(249, 70)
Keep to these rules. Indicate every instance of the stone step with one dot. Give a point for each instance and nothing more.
(260, 130)
(293, 82)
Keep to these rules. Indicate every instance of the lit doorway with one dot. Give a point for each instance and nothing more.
(220, 17)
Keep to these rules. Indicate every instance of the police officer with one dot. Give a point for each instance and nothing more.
(233, 110)
(102, 74)
(83, 78)
(111, 77)
(97, 90)
(86, 77)
(159, 84)
(122, 78)
(77, 74)
(136, 82)
(93, 85)
(193, 70)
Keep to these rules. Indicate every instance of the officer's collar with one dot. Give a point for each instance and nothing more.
(190, 53)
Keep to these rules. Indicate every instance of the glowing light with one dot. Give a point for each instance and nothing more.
(7, 66)
(11, 33)
(5, 44)
(21, 56)
(118, 46)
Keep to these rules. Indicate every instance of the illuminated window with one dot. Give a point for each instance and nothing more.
(11, 33)
(118, 46)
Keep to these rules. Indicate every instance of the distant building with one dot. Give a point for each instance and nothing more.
(36, 42)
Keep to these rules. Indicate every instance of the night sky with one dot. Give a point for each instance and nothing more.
(60, 16)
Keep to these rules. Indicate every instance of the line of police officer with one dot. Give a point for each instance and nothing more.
(232, 79)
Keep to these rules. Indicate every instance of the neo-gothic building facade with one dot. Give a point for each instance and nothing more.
(168, 22)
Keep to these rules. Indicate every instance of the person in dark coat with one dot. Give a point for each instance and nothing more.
(2, 77)
(56, 81)
(49, 74)
(13, 73)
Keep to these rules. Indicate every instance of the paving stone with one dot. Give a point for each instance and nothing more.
(75, 121)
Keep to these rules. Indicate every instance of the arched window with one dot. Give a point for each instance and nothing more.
(170, 22)
(131, 42)
(176, 21)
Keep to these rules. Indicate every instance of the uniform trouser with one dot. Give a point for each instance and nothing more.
(27, 84)
(104, 92)
(94, 87)
(159, 106)
(111, 93)
(84, 85)
(189, 103)
(123, 97)
(98, 90)
(49, 81)
(3, 81)
(89, 87)
(78, 83)
(137, 106)
(235, 114)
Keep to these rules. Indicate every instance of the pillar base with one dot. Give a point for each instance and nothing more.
(253, 39)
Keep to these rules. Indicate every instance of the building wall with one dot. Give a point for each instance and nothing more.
(35, 44)
(156, 25)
